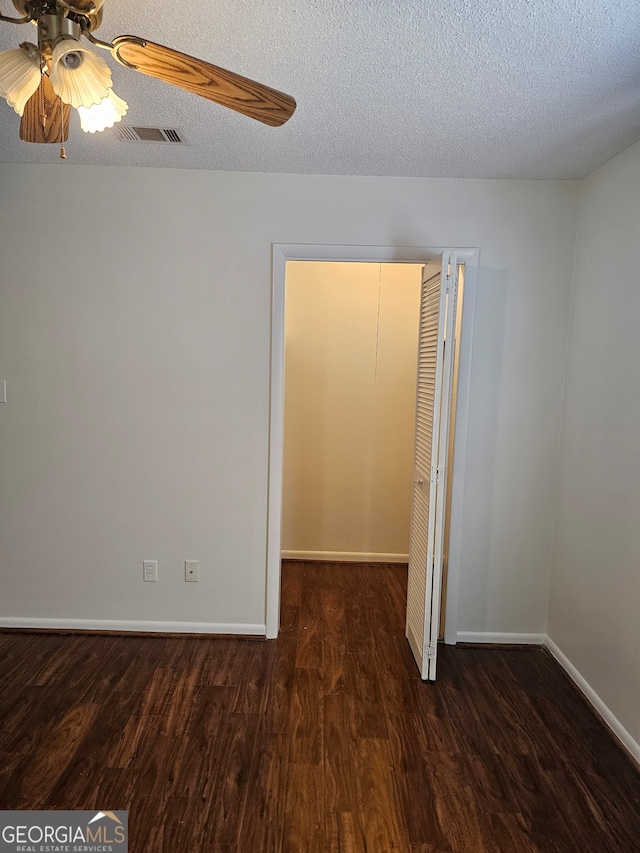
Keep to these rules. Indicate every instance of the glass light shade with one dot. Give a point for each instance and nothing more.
(102, 115)
(19, 77)
(78, 76)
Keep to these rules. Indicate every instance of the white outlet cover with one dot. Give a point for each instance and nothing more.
(150, 571)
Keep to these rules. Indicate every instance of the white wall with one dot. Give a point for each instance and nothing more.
(351, 351)
(595, 591)
(135, 341)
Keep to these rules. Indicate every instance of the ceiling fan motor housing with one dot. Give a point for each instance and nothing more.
(51, 28)
(89, 10)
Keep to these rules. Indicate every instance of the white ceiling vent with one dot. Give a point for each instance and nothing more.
(129, 133)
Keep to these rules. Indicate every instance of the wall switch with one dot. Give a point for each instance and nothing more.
(3, 390)
(191, 570)
(150, 570)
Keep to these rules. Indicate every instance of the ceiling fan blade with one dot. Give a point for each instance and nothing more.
(31, 125)
(224, 87)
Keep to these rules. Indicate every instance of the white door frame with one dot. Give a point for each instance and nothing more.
(283, 252)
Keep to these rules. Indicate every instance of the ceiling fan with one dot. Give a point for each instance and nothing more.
(43, 81)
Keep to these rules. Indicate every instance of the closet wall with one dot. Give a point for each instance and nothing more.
(350, 384)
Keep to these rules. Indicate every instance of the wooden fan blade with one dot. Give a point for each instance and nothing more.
(31, 126)
(224, 87)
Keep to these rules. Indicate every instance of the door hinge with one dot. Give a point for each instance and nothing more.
(429, 650)
(437, 474)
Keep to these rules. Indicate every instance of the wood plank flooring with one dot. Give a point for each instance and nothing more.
(323, 741)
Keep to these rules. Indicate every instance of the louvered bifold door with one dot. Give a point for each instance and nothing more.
(427, 515)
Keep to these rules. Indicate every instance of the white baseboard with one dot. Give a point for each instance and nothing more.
(151, 627)
(345, 556)
(607, 715)
(500, 639)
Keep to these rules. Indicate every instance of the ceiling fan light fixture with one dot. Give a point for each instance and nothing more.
(43, 82)
(103, 115)
(19, 77)
(79, 77)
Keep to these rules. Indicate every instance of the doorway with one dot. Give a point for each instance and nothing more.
(351, 350)
(379, 255)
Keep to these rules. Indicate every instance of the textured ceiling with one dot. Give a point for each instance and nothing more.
(432, 88)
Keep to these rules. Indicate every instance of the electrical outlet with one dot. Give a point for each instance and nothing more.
(150, 570)
(191, 570)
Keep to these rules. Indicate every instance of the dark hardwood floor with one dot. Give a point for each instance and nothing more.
(323, 741)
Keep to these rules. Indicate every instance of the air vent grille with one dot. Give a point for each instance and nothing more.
(131, 133)
(172, 135)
